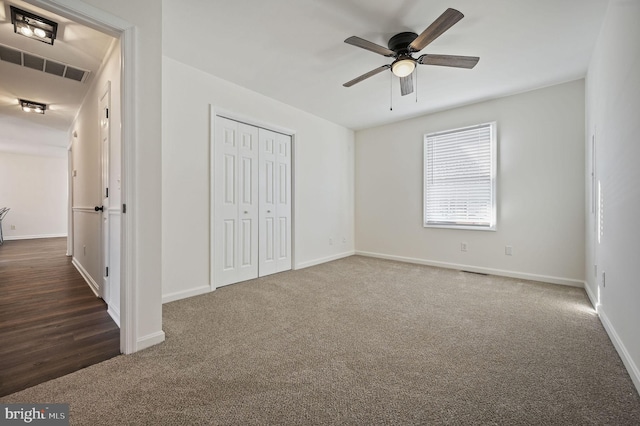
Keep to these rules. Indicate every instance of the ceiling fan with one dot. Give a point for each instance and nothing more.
(403, 45)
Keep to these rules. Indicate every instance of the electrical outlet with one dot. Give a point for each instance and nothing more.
(508, 250)
(344, 240)
(330, 241)
(13, 227)
(463, 246)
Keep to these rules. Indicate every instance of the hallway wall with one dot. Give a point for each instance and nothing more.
(35, 188)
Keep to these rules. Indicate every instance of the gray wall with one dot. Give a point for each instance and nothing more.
(613, 109)
(540, 189)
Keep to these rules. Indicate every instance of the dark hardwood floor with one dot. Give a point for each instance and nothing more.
(51, 323)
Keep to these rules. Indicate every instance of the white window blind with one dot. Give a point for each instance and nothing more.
(459, 178)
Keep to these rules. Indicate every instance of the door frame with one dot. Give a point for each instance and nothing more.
(214, 112)
(70, 197)
(126, 32)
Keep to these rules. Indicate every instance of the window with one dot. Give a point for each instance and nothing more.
(460, 178)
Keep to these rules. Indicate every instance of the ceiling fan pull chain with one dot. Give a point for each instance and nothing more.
(390, 91)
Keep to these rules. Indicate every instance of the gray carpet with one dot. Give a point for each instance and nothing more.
(364, 341)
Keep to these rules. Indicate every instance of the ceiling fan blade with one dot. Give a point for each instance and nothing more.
(436, 29)
(366, 75)
(449, 60)
(365, 44)
(406, 84)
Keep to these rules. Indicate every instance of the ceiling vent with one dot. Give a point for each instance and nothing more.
(25, 59)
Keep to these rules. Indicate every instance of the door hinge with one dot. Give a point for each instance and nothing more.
(107, 272)
(107, 194)
(124, 208)
(107, 111)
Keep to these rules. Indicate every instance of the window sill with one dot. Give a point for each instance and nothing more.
(464, 227)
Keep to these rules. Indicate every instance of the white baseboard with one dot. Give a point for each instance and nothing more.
(500, 272)
(114, 314)
(632, 368)
(314, 262)
(177, 295)
(92, 284)
(149, 340)
(33, 237)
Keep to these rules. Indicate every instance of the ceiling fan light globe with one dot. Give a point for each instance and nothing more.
(403, 67)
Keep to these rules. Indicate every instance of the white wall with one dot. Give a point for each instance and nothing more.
(540, 189)
(323, 176)
(21, 136)
(35, 188)
(613, 109)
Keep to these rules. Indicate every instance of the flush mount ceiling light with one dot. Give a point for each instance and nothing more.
(33, 26)
(31, 106)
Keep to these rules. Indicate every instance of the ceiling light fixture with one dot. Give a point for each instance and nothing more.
(31, 106)
(403, 66)
(33, 26)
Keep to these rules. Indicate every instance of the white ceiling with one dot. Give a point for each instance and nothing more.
(75, 45)
(293, 50)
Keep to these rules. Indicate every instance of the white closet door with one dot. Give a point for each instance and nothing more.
(283, 203)
(236, 202)
(275, 202)
(268, 187)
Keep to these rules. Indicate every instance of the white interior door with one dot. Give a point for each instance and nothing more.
(105, 140)
(275, 202)
(268, 189)
(283, 203)
(236, 202)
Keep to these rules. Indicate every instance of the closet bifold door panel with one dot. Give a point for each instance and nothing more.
(236, 209)
(275, 202)
(252, 202)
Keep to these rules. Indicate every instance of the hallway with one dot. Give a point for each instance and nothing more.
(51, 323)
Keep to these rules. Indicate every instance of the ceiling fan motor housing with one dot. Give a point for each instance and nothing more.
(400, 42)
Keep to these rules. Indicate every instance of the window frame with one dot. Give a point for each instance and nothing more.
(493, 141)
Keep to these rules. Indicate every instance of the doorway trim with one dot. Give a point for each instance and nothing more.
(100, 20)
(214, 112)
(70, 198)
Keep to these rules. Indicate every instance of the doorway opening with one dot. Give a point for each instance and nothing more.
(125, 252)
